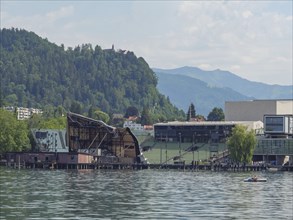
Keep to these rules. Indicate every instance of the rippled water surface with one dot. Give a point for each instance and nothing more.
(144, 194)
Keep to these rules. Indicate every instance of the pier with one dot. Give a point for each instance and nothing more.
(125, 166)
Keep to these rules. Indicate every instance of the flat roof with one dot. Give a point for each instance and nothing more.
(263, 100)
(203, 123)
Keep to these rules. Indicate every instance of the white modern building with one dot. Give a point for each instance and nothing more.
(26, 113)
(278, 125)
(23, 113)
(133, 126)
(255, 110)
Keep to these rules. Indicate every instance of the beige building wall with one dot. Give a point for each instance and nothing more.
(254, 110)
(285, 107)
(252, 125)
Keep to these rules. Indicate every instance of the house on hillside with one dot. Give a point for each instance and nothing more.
(23, 113)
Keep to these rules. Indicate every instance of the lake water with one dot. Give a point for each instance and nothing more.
(143, 194)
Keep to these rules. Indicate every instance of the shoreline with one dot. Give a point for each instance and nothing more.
(123, 166)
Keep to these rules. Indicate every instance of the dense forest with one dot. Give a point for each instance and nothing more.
(37, 73)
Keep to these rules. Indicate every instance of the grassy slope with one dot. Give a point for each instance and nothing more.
(154, 155)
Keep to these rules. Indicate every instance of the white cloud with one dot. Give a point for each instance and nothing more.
(48, 25)
(235, 68)
(204, 66)
(62, 12)
(247, 14)
(238, 34)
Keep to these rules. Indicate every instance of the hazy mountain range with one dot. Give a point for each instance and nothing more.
(209, 89)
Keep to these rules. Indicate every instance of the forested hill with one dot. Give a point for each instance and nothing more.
(36, 73)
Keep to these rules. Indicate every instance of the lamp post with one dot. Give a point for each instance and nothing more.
(161, 154)
(56, 147)
(161, 150)
(192, 157)
(180, 146)
(197, 158)
(195, 142)
(166, 147)
(193, 148)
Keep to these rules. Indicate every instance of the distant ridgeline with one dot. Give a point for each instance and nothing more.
(209, 89)
(35, 72)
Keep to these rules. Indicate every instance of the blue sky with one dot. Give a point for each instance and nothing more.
(252, 39)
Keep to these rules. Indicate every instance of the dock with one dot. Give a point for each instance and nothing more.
(125, 166)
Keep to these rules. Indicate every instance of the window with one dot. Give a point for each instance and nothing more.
(274, 124)
(41, 135)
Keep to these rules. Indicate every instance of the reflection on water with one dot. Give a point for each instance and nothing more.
(144, 194)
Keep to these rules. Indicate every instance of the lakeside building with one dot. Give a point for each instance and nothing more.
(254, 110)
(103, 141)
(205, 131)
(276, 145)
(85, 143)
(274, 138)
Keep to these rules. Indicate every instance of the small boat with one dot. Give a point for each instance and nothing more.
(273, 169)
(255, 179)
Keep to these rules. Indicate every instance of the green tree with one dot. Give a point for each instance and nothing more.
(1, 96)
(131, 111)
(191, 113)
(146, 117)
(241, 144)
(13, 133)
(100, 115)
(41, 122)
(12, 100)
(36, 73)
(53, 123)
(75, 107)
(91, 112)
(217, 114)
(35, 121)
(49, 111)
(200, 118)
(59, 111)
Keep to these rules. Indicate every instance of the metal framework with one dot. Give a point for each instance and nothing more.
(99, 139)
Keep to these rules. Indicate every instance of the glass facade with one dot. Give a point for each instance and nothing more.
(274, 124)
(278, 124)
(192, 133)
(274, 146)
